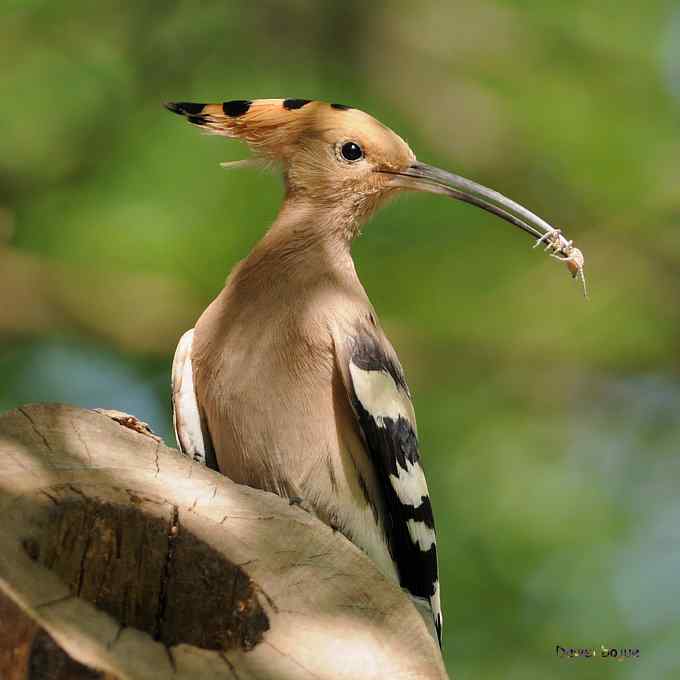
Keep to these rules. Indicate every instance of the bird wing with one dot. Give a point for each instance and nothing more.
(382, 404)
(191, 432)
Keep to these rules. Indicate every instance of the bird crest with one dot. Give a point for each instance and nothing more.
(271, 127)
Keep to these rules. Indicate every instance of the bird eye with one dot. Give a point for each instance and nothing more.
(351, 152)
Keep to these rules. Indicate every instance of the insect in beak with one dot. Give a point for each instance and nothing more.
(422, 177)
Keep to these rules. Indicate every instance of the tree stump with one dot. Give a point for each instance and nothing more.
(120, 558)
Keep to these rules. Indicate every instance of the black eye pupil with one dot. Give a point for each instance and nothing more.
(351, 151)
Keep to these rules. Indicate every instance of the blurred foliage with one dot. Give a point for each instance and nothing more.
(549, 424)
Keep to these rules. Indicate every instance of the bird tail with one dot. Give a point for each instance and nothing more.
(431, 615)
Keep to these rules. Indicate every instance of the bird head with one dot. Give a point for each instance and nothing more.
(342, 161)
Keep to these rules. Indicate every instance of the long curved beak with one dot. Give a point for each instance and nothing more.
(422, 177)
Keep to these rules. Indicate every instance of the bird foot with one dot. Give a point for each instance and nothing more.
(304, 505)
(300, 502)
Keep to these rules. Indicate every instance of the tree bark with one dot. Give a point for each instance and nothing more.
(120, 558)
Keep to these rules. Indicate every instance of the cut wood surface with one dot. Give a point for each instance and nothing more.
(120, 558)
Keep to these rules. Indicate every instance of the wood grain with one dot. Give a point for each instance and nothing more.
(119, 558)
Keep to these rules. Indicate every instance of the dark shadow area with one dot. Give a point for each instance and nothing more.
(150, 573)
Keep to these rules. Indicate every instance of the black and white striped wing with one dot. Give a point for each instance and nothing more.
(382, 403)
(190, 432)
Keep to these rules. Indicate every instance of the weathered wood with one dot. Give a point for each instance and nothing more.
(28, 651)
(119, 558)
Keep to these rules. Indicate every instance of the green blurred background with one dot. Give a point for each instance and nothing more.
(550, 425)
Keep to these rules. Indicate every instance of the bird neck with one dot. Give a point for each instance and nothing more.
(304, 230)
(304, 250)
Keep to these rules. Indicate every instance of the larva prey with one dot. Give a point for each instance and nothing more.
(564, 250)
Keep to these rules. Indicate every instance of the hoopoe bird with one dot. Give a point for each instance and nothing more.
(288, 382)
